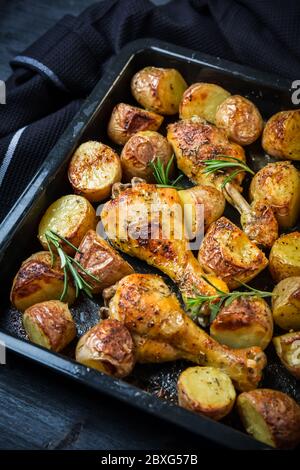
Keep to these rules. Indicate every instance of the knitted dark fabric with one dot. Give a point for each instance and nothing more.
(52, 77)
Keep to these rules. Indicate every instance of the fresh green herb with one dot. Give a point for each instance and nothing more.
(213, 166)
(217, 301)
(69, 265)
(161, 174)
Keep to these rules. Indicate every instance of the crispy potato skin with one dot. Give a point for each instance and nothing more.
(159, 90)
(228, 253)
(206, 390)
(213, 206)
(260, 224)
(141, 149)
(107, 347)
(286, 303)
(127, 120)
(202, 99)
(246, 322)
(70, 216)
(93, 169)
(195, 140)
(288, 349)
(102, 261)
(281, 135)
(278, 415)
(37, 281)
(278, 185)
(285, 256)
(50, 324)
(240, 119)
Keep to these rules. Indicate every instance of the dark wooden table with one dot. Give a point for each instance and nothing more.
(39, 409)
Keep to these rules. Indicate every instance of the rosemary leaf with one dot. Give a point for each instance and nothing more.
(161, 174)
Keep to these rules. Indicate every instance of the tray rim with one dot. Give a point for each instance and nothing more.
(215, 431)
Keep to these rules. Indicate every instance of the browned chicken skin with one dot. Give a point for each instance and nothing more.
(158, 243)
(194, 141)
(162, 331)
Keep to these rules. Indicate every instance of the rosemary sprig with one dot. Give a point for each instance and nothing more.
(68, 265)
(220, 299)
(213, 166)
(161, 174)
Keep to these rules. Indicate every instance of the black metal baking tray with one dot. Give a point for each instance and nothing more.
(151, 388)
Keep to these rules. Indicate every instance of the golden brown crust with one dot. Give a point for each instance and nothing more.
(158, 89)
(37, 280)
(246, 322)
(280, 413)
(260, 224)
(286, 303)
(102, 261)
(281, 135)
(240, 118)
(126, 120)
(70, 216)
(55, 322)
(107, 347)
(228, 253)
(288, 349)
(141, 149)
(93, 169)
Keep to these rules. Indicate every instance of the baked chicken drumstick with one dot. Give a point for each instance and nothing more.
(162, 331)
(195, 142)
(146, 221)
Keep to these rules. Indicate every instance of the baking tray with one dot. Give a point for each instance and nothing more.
(151, 388)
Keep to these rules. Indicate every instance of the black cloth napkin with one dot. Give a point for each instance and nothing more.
(53, 76)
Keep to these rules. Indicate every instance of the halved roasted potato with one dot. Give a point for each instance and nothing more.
(246, 322)
(271, 417)
(98, 258)
(281, 135)
(206, 390)
(50, 324)
(37, 280)
(288, 349)
(202, 99)
(71, 217)
(285, 256)
(158, 89)
(108, 348)
(93, 169)
(240, 119)
(286, 303)
(278, 185)
(126, 120)
(141, 149)
(227, 252)
(202, 205)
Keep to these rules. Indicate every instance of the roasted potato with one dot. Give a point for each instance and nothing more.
(107, 347)
(50, 324)
(37, 280)
(246, 322)
(202, 99)
(206, 390)
(227, 252)
(127, 120)
(141, 149)
(286, 303)
(271, 417)
(288, 349)
(71, 217)
(159, 90)
(281, 136)
(98, 258)
(285, 256)
(278, 185)
(93, 169)
(201, 204)
(240, 119)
